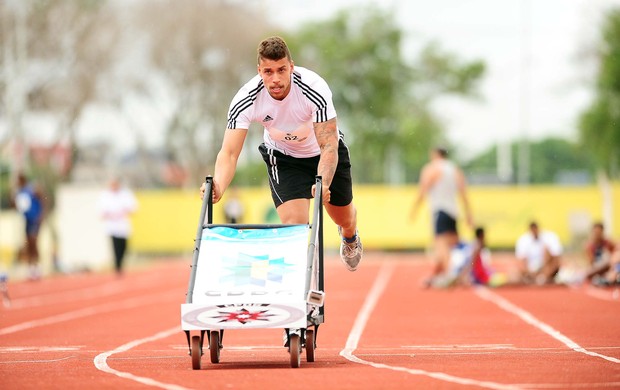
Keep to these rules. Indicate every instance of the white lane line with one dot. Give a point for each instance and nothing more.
(612, 296)
(594, 385)
(29, 349)
(102, 364)
(492, 297)
(383, 277)
(38, 361)
(88, 311)
(116, 287)
(455, 347)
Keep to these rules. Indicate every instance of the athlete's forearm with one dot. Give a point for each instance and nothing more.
(464, 198)
(416, 205)
(327, 138)
(424, 186)
(327, 165)
(226, 161)
(466, 205)
(225, 167)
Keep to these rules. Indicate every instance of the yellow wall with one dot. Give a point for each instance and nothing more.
(167, 220)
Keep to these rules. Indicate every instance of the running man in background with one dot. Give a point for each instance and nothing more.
(116, 205)
(29, 201)
(538, 253)
(598, 250)
(301, 140)
(442, 182)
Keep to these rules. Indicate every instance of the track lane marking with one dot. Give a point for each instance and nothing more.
(89, 311)
(102, 364)
(614, 385)
(526, 316)
(610, 296)
(377, 289)
(38, 361)
(106, 289)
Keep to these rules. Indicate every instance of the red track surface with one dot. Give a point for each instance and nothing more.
(382, 331)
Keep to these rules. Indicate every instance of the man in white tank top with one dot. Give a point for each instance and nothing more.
(442, 182)
(301, 140)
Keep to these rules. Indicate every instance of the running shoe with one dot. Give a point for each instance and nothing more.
(351, 252)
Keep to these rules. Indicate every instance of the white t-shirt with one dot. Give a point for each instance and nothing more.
(532, 250)
(288, 123)
(115, 208)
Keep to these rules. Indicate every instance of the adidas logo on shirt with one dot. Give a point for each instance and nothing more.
(267, 119)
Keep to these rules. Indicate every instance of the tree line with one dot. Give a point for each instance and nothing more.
(180, 61)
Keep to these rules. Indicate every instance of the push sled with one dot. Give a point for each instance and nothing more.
(252, 276)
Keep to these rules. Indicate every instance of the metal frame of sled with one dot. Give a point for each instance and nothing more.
(249, 276)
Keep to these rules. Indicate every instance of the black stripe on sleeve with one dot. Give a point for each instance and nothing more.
(314, 97)
(242, 105)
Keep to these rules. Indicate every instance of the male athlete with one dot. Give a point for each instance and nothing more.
(301, 140)
(442, 181)
(538, 252)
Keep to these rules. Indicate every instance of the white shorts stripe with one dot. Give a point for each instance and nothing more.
(274, 166)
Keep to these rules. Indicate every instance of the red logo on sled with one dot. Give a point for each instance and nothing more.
(238, 316)
(242, 316)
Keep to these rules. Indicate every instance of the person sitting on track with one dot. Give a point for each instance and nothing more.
(598, 250)
(301, 140)
(470, 264)
(612, 276)
(538, 252)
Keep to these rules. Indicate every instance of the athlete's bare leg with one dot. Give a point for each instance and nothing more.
(32, 249)
(345, 217)
(444, 243)
(294, 211)
(549, 269)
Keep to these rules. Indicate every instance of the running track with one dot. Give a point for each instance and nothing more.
(382, 331)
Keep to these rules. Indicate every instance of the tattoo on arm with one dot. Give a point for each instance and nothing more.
(327, 137)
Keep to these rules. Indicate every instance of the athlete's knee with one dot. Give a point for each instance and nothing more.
(292, 213)
(344, 216)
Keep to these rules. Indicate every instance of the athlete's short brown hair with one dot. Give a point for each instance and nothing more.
(273, 48)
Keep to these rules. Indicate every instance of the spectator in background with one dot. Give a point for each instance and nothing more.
(598, 251)
(442, 182)
(538, 253)
(612, 276)
(116, 204)
(481, 271)
(471, 264)
(29, 201)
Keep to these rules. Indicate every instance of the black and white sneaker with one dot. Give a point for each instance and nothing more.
(351, 251)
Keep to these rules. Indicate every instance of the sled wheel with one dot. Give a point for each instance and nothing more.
(214, 346)
(295, 350)
(310, 346)
(196, 352)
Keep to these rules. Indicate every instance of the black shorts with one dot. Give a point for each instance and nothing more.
(444, 223)
(292, 178)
